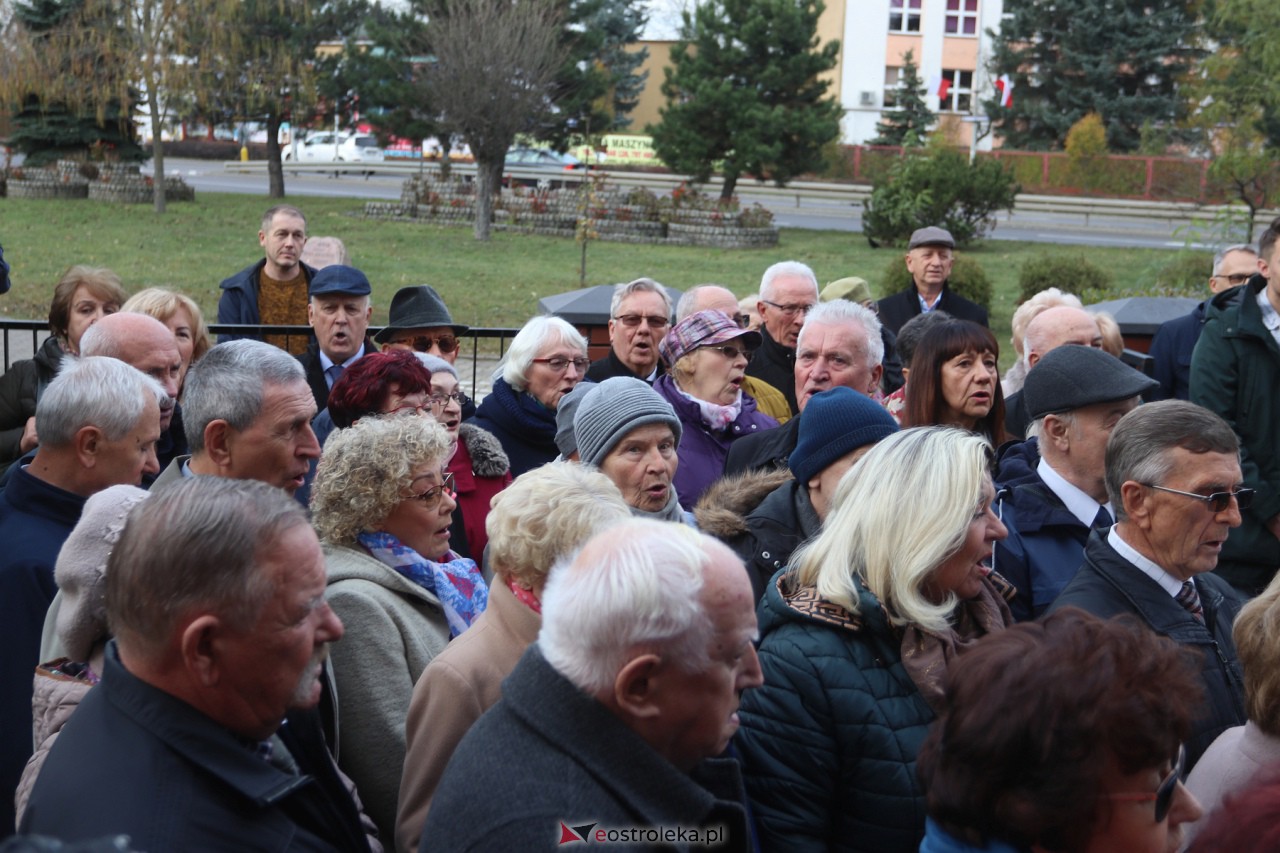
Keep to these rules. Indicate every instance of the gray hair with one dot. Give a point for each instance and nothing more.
(786, 268)
(842, 312)
(535, 336)
(640, 285)
(1140, 445)
(229, 384)
(1238, 247)
(197, 548)
(914, 329)
(94, 391)
(688, 303)
(547, 513)
(636, 586)
(896, 517)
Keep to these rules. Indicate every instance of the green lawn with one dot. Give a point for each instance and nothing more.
(195, 245)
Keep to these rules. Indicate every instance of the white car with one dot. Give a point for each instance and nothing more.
(349, 148)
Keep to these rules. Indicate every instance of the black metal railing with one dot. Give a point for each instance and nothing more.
(37, 330)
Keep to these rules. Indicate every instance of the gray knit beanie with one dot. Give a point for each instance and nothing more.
(81, 569)
(566, 441)
(614, 408)
(435, 364)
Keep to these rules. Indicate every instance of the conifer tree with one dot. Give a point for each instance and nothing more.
(908, 123)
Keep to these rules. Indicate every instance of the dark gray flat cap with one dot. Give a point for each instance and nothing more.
(931, 236)
(1074, 376)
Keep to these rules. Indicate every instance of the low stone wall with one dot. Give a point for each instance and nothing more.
(119, 183)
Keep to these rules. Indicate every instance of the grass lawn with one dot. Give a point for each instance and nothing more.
(196, 245)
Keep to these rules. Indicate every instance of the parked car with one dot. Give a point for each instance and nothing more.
(523, 158)
(346, 147)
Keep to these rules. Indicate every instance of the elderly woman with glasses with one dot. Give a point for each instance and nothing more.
(706, 355)
(382, 504)
(546, 359)
(1063, 735)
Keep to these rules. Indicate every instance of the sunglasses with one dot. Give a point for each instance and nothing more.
(1235, 279)
(1217, 502)
(731, 352)
(424, 343)
(1163, 795)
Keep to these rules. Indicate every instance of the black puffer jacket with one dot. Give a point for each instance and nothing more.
(756, 515)
(20, 388)
(829, 743)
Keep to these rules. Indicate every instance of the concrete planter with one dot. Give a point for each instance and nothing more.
(46, 189)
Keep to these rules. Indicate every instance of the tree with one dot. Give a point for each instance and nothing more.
(67, 94)
(495, 62)
(908, 123)
(1119, 58)
(744, 90)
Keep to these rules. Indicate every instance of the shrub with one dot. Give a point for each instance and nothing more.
(968, 279)
(939, 187)
(1185, 274)
(1069, 273)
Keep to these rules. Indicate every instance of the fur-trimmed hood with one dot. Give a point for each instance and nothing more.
(488, 459)
(723, 509)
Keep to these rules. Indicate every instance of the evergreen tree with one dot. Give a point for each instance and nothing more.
(1119, 58)
(745, 90)
(909, 121)
(47, 130)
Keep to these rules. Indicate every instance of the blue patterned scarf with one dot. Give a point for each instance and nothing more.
(457, 583)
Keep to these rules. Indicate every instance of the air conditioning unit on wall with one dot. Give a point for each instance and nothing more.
(867, 99)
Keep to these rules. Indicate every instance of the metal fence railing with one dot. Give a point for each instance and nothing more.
(20, 339)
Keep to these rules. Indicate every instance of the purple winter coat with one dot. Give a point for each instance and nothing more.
(701, 451)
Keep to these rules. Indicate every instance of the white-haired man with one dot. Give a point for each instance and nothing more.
(1052, 328)
(839, 345)
(609, 726)
(930, 255)
(99, 420)
(639, 315)
(788, 291)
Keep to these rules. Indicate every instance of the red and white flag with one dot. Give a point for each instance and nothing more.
(940, 86)
(1004, 91)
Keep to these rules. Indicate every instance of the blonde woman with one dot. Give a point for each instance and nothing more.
(855, 640)
(182, 315)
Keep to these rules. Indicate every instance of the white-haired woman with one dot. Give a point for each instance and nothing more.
(546, 359)
(543, 516)
(856, 638)
(382, 504)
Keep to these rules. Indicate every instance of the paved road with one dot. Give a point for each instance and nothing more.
(1037, 227)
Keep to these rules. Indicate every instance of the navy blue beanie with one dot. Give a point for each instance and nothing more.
(835, 423)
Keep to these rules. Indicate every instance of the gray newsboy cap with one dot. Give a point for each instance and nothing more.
(931, 236)
(1073, 376)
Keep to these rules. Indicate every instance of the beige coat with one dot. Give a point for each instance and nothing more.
(460, 684)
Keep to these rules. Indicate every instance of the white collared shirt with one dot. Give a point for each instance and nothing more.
(1076, 501)
(1270, 318)
(1167, 582)
(925, 307)
(326, 363)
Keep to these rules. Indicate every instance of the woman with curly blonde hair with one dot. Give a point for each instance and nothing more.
(382, 504)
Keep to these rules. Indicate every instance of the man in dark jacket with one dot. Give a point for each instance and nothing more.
(1235, 372)
(204, 704)
(612, 722)
(339, 312)
(930, 254)
(1053, 488)
(274, 290)
(788, 291)
(639, 315)
(1173, 475)
(1175, 340)
(839, 345)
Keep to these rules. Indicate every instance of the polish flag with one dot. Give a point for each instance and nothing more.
(1004, 91)
(940, 86)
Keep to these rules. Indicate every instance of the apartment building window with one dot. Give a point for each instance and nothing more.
(904, 16)
(959, 92)
(962, 17)
(892, 85)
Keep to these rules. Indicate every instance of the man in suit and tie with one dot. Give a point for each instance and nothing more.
(339, 312)
(1173, 476)
(1053, 487)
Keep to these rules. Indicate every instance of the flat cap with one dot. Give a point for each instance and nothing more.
(854, 289)
(1073, 376)
(339, 279)
(931, 236)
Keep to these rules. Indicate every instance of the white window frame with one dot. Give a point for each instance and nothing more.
(892, 87)
(960, 15)
(953, 103)
(908, 12)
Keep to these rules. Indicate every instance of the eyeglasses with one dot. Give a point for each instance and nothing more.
(431, 497)
(1235, 279)
(1217, 502)
(730, 351)
(1162, 795)
(439, 400)
(790, 310)
(743, 320)
(632, 320)
(424, 343)
(560, 364)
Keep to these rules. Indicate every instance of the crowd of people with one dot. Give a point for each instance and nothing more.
(804, 574)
